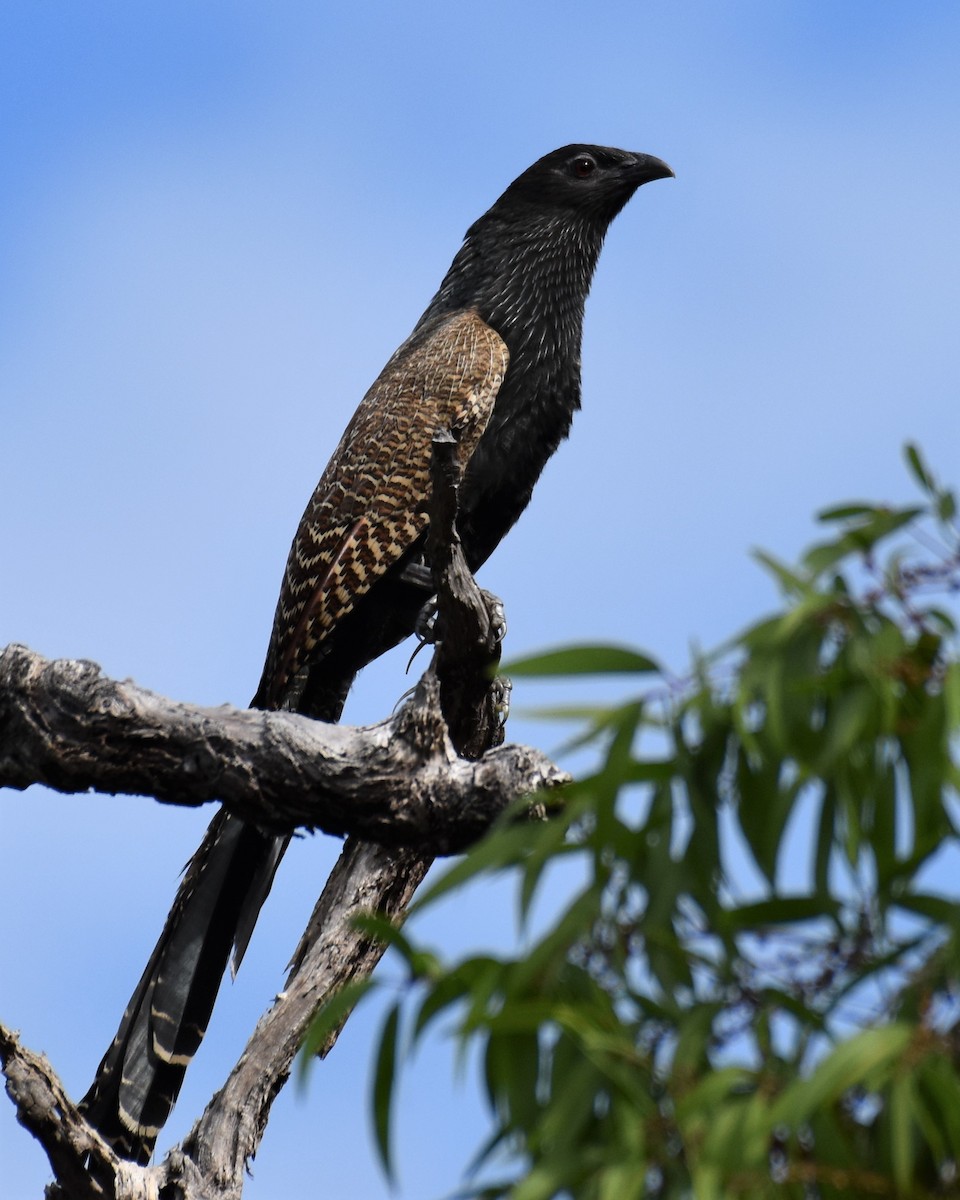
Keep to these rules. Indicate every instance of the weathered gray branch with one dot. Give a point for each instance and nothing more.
(468, 641)
(64, 724)
(429, 781)
(367, 878)
(44, 1108)
(80, 1158)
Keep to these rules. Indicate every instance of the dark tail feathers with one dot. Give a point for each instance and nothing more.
(138, 1081)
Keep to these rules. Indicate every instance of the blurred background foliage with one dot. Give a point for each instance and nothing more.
(753, 989)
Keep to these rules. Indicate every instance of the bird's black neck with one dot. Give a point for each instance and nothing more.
(527, 276)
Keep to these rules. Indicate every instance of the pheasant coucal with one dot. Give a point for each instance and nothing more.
(496, 359)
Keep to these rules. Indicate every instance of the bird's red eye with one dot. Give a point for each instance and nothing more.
(583, 166)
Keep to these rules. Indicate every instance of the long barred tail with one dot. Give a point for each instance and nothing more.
(216, 907)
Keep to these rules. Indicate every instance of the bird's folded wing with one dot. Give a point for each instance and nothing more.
(371, 503)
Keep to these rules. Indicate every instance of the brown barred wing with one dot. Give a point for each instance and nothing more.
(370, 505)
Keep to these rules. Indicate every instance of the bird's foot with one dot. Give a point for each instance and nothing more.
(498, 617)
(500, 698)
(425, 628)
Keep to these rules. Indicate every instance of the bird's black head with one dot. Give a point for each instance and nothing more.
(594, 180)
(526, 264)
(525, 269)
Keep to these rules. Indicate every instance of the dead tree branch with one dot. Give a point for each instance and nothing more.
(427, 782)
(367, 878)
(44, 1108)
(399, 783)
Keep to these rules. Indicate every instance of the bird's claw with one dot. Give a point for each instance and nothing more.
(498, 618)
(500, 697)
(426, 624)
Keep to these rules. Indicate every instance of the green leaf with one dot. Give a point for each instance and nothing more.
(848, 720)
(918, 467)
(551, 950)
(503, 847)
(571, 1106)
(926, 748)
(738, 1133)
(383, 1080)
(774, 998)
(624, 1179)
(474, 979)
(608, 781)
(951, 696)
(824, 555)
(600, 723)
(583, 660)
(701, 1102)
(383, 929)
(548, 1179)
(764, 808)
(790, 582)
(946, 506)
(649, 770)
(944, 619)
(939, 1082)
(862, 1061)
(902, 1102)
(594, 713)
(825, 841)
(511, 1068)
(549, 849)
(843, 512)
(941, 909)
(779, 910)
(861, 538)
(885, 816)
(330, 1016)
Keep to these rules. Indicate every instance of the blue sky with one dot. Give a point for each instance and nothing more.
(218, 220)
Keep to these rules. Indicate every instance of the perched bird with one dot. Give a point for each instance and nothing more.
(496, 359)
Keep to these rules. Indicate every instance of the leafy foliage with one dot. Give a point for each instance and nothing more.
(703, 1018)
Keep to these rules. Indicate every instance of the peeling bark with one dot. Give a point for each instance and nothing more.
(429, 781)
